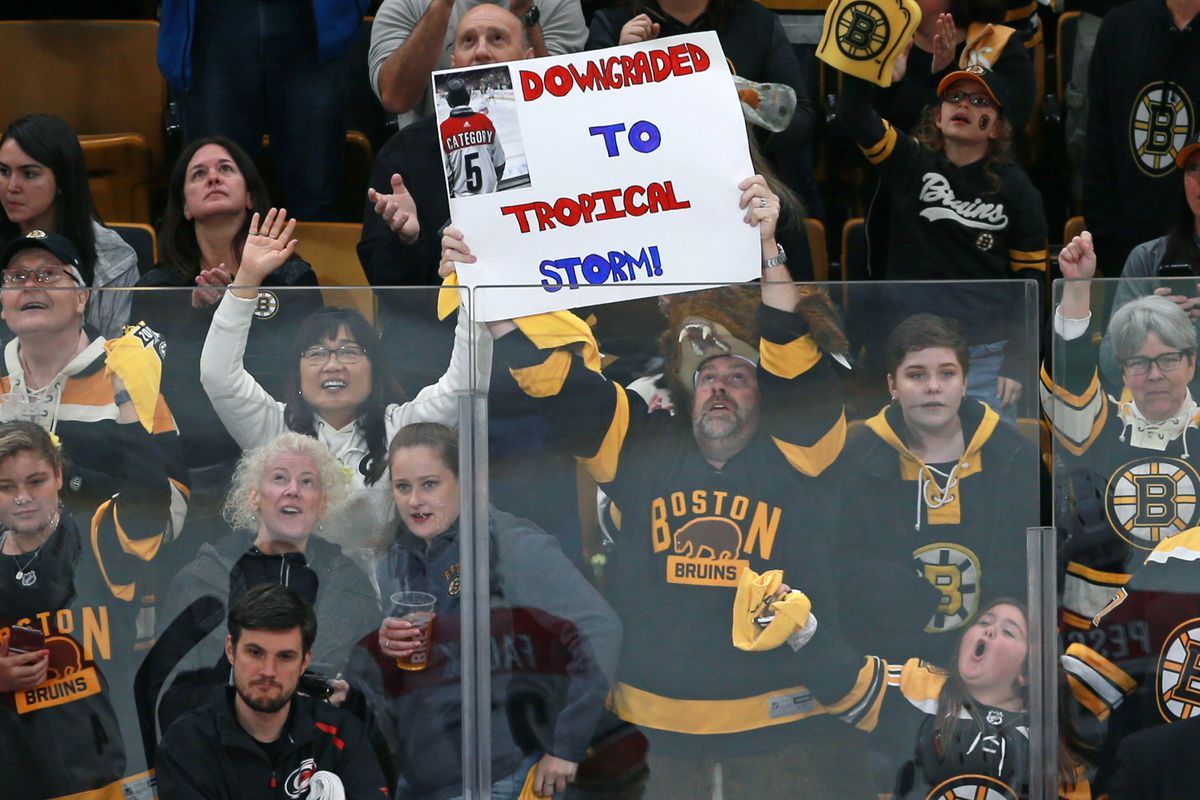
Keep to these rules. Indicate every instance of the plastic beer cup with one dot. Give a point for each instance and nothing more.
(417, 608)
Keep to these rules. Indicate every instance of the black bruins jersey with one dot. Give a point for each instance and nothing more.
(687, 530)
(1132, 485)
(959, 529)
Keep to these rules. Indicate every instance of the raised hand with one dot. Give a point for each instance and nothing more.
(268, 246)
(945, 40)
(398, 210)
(761, 205)
(638, 29)
(1077, 259)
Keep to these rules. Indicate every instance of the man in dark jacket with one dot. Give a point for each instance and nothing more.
(260, 739)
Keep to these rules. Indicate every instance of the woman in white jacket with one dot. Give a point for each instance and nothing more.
(341, 385)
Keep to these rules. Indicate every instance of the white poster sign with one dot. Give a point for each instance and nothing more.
(615, 170)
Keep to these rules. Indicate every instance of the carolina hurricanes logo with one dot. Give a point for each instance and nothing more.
(296, 785)
(972, 787)
(1159, 126)
(1177, 682)
(1151, 499)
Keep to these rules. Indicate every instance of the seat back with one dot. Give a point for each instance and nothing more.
(142, 239)
(101, 76)
(1064, 50)
(330, 248)
(119, 175)
(817, 249)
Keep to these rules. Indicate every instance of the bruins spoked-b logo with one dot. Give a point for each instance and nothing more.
(1177, 682)
(862, 31)
(954, 571)
(1151, 499)
(1159, 127)
(972, 787)
(267, 304)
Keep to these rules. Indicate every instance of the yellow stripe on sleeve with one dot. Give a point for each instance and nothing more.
(545, 379)
(815, 459)
(603, 465)
(124, 591)
(882, 150)
(789, 360)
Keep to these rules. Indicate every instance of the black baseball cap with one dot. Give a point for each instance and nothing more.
(992, 83)
(54, 243)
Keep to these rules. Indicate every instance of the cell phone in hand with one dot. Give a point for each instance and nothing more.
(1180, 287)
(25, 640)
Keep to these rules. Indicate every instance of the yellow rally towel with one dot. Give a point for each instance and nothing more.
(527, 792)
(547, 331)
(864, 38)
(985, 43)
(136, 358)
(792, 612)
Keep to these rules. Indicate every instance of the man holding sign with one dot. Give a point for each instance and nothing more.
(736, 481)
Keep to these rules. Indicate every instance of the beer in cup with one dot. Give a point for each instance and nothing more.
(417, 608)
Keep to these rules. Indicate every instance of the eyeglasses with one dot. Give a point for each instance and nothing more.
(955, 96)
(1166, 362)
(347, 354)
(44, 276)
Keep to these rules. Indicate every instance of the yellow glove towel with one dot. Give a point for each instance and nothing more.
(792, 612)
(864, 38)
(136, 358)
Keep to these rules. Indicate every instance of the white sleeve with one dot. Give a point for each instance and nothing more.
(247, 410)
(439, 401)
(1070, 328)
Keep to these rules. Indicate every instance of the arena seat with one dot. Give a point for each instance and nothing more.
(119, 175)
(1064, 51)
(101, 76)
(330, 248)
(816, 248)
(142, 239)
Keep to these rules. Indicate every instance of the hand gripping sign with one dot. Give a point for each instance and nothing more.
(596, 177)
(864, 38)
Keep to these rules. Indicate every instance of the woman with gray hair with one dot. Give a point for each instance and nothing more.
(281, 495)
(1132, 463)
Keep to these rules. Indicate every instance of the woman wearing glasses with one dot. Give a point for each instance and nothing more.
(1132, 465)
(340, 392)
(961, 209)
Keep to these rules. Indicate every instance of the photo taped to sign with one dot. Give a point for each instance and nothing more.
(482, 148)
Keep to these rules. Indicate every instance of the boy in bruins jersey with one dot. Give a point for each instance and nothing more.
(739, 482)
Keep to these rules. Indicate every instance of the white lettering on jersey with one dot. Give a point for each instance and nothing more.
(969, 213)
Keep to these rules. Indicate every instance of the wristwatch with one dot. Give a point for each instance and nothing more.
(776, 260)
(531, 17)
